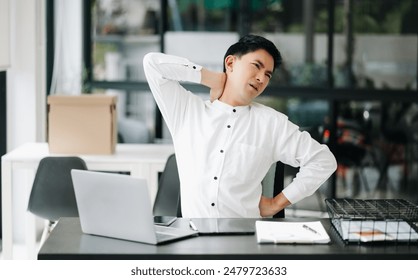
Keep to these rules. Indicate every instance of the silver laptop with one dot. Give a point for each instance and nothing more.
(119, 206)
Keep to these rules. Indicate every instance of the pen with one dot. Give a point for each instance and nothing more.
(310, 229)
(192, 225)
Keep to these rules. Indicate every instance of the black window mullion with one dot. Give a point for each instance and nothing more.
(334, 104)
(3, 129)
(50, 38)
(87, 46)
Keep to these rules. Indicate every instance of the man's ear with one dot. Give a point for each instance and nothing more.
(229, 62)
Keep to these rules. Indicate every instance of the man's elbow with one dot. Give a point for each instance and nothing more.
(148, 59)
(331, 163)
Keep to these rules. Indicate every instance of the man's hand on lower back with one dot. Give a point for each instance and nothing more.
(270, 206)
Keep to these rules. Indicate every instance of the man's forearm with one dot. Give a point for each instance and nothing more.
(280, 201)
(271, 206)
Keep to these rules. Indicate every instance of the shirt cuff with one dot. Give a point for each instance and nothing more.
(181, 68)
(195, 73)
(292, 193)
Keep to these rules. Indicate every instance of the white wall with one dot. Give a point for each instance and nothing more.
(26, 76)
(26, 98)
(204, 48)
(4, 34)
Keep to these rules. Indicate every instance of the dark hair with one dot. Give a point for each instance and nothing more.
(251, 43)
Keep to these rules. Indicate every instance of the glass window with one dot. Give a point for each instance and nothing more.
(375, 47)
(123, 31)
(298, 28)
(376, 44)
(199, 15)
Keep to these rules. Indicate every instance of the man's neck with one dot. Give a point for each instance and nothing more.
(229, 101)
(229, 98)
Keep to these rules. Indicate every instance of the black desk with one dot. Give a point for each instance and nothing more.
(68, 242)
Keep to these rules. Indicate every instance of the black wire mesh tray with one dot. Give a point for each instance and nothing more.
(388, 220)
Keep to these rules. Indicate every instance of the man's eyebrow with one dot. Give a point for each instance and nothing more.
(262, 65)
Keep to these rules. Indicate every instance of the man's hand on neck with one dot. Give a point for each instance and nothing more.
(215, 81)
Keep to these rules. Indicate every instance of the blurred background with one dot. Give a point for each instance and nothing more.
(349, 75)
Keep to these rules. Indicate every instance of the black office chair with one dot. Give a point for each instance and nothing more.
(52, 195)
(168, 201)
(273, 183)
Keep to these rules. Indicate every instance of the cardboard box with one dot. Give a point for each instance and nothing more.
(82, 124)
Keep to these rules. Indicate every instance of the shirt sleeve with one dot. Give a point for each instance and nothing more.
(164, 74)
(315, 161)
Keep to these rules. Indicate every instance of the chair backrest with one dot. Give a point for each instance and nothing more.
(273, 183)
(52, 195)
(168, 201)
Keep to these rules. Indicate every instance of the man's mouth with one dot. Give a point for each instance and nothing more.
(254, 87)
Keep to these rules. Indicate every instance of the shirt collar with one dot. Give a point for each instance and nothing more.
(228, 108)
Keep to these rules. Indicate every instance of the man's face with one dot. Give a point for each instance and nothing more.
(249, 74)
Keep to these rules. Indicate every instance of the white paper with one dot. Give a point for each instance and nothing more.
(291, 232)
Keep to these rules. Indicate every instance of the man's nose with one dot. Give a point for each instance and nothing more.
(261, 78)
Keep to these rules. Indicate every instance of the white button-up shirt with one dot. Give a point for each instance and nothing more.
(224, 152)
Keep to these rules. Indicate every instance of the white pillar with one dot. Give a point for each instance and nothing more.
(26, 91)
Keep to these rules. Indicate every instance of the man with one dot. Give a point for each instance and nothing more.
(225, 146)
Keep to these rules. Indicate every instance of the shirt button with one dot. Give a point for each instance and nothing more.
(213, 204)
(233, 110)
(215, 178)
(221, 151)
(194, 67)
(228, 126)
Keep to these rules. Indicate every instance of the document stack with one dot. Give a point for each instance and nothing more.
(375, 220)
